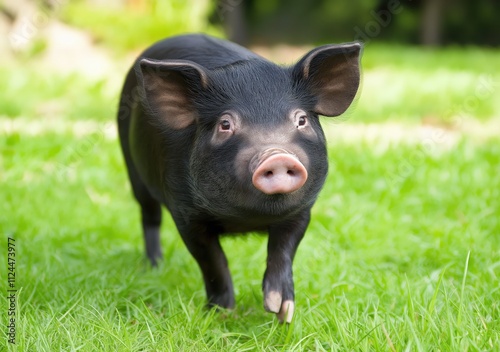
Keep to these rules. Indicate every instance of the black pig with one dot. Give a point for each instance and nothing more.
(230, 142)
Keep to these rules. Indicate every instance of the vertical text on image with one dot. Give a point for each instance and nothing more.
(11, 290)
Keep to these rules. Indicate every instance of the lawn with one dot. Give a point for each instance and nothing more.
(402, 254)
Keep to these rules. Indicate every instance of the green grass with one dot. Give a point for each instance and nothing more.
(382, 261)
(418, 84)
(403, 252)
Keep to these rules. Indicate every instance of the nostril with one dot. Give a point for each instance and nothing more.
(279, 174)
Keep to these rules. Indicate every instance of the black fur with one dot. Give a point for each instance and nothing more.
(172, 159)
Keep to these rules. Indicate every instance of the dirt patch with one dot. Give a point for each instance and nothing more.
(72, 50)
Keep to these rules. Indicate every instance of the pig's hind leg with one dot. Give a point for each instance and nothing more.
(151, 217)
(150, 207)
(151, 221)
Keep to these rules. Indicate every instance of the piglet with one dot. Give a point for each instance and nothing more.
(230, 142)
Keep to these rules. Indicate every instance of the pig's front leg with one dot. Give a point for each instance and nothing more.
(203, 243)
(278, 278)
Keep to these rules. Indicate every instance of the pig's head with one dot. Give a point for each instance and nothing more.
(257, 145)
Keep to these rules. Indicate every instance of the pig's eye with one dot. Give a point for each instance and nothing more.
(302, 121)
(299, 118)
(225, 125)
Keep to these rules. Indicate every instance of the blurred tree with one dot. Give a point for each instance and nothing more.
(442, 22)
(430, 14)
(428, 22)
(233, 14)
(431, 22)
(291, 20)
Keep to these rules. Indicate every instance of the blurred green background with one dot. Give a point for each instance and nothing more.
(424, 22)
(423, 59)
(403, 252)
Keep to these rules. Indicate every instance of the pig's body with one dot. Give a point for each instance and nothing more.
(229, 142)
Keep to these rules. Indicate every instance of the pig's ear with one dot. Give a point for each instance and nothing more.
(168, 88)
(331, 74)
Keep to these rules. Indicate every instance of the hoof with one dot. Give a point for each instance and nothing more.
(285, 315)
(284, 310)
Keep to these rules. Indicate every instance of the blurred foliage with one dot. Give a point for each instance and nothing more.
(302, 22)
(297, 21)
(131, 24)
(130, 28)
(473, 22)
(41, 95)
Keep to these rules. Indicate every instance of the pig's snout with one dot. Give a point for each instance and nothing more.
(279, 173)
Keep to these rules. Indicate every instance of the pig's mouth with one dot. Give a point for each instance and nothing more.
(277, 171)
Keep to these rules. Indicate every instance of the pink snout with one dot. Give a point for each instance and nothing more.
(279, 173)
